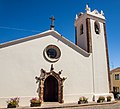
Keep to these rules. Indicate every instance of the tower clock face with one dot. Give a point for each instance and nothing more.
(52, 53)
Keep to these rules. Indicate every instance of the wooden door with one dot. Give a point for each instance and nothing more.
(51, 89)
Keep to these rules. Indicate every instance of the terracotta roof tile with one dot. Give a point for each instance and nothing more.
(115, 70)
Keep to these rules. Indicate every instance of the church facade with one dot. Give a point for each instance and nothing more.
(63, 71)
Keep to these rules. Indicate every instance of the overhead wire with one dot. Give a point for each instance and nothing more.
(18, 29)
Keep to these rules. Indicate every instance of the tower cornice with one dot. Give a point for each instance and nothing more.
(91, 14)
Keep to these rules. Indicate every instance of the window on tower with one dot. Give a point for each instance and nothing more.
(81, 29)
(97, 27)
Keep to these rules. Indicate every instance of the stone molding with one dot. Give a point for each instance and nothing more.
(89, 40)
(43, 77)
(107, 56)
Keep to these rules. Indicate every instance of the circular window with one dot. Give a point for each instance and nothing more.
(52, 53)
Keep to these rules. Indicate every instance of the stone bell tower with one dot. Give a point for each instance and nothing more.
(90, 33)
(87, 25)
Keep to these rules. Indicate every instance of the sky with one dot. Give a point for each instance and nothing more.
(22, 18)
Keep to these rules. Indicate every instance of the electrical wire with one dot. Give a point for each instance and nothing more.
(18, 29)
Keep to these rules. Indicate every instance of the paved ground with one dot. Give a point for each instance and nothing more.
(113, 105)
(110, 106)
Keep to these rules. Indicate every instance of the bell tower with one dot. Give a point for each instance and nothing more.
(87, 25)
(90, 35)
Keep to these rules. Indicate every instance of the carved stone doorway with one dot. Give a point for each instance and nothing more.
(51, 89)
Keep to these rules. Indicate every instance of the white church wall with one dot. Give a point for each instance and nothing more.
(81, 38)
(99, 60)
(20, 64)
(76, 69)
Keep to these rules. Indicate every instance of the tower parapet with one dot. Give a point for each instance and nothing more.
(94, 13)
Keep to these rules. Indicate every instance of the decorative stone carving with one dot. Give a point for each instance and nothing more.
(51, 67)
(96, 11)
(79, 14)
(102, 13)
(41, 79)
(87, 8)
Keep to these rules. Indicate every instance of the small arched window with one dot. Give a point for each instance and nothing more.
(97, 27)
(81, 29)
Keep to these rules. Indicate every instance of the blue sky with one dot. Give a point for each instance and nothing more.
(30, 17)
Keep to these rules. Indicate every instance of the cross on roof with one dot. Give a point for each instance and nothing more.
(52, 23)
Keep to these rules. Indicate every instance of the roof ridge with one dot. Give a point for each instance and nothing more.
(55, 34)
(115, 70)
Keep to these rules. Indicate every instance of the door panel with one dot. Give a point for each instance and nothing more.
(51, 89)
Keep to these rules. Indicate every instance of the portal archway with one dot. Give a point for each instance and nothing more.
(50, 89)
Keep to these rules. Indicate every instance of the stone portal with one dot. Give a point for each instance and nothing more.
(50, 88)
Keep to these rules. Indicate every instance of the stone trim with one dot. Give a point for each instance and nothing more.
(107, 56)
(89, 40)
(43, 77)
(58, 53)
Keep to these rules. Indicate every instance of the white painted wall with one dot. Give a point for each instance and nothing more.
(20, 64)
(99, 59)
(81, 38)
